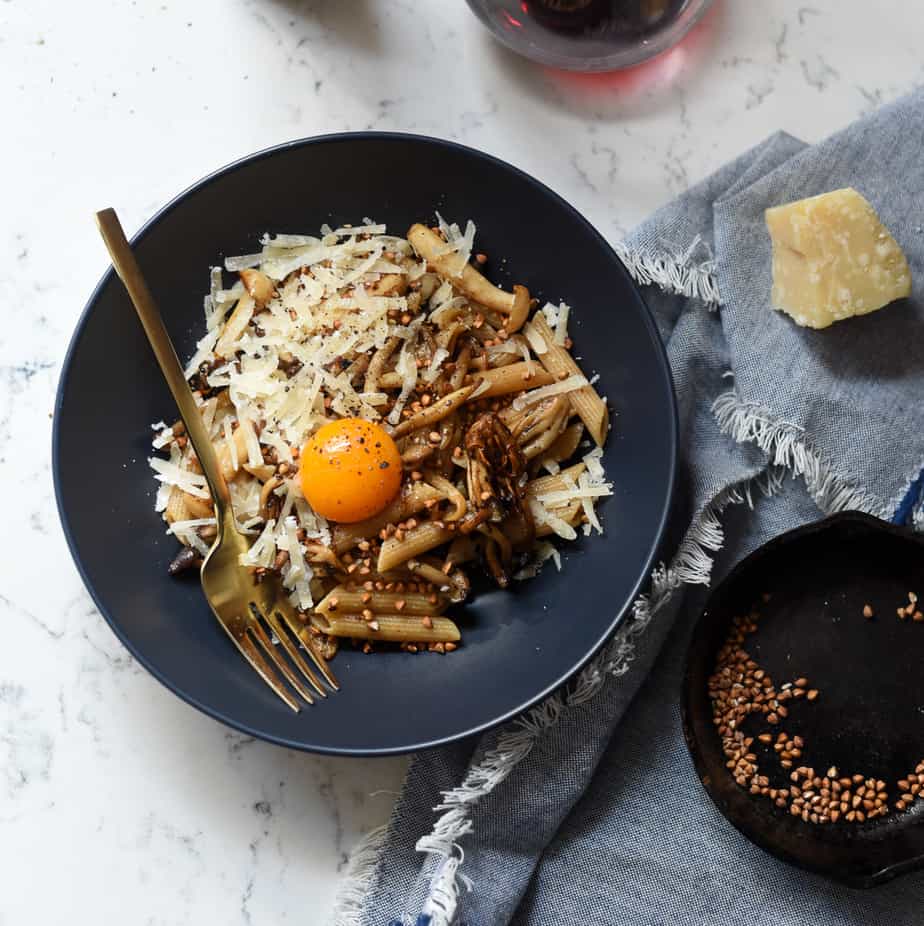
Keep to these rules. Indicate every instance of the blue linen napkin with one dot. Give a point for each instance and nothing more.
(586, 810)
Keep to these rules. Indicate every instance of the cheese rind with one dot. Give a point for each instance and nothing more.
(833, 259)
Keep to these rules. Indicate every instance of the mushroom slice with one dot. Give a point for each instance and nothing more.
(259, 286)
(514, 306)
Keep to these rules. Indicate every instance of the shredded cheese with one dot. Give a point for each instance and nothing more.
(458, 243)
(561, 325)
(542, 552)
(173, 474)
(536, 340)
(542, 515)
(231, 444)
(576, 381)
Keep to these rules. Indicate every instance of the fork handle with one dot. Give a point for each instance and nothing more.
(123, 260)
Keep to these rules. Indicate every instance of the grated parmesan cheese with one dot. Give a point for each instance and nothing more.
(204, 348)
(263, 550)
(244, 262)
(536, 341)
(231, 444)
(542, 553)
(457, 242)
(561, 326)
(541, 515)
(576, 381)
(163, 437)
(406, 368)
(557, 499)
(173, 474)
(433, 369)
(587, 501)
(179, 527)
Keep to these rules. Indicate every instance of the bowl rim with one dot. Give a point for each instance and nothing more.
(664, 372)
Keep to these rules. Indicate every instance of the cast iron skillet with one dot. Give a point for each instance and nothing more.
(869, 715)
(518, 646)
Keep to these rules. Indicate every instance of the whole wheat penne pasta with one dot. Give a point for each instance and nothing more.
(512, 378)
(559, 483)
(566, 444)
(433, 413)
(419, 540)
(198, 507)
(177, 509)
(536, 441)
(389, 628)
(585, 401)
(412, 499)
(455, 585)
(345, 600)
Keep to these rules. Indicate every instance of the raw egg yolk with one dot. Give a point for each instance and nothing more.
(350, 470)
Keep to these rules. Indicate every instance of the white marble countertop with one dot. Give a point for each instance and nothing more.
(119, 803)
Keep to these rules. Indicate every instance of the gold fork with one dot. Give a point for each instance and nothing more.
(241, 605)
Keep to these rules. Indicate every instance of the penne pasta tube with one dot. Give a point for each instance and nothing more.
(566, 444)
(520, 539)
(586, 403)
(560, 483)
(534, 441)
(176, 509)
(343, 600)
(412, 499)
(434, 413)
(571, 513)
(456, 584)
(514, 377)
(422, 538)
(198, 507)
(389, 628)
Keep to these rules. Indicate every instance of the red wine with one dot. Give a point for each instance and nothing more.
(619, 16)
(568, 14)
(589, 35)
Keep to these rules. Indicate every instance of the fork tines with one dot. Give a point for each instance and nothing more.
(283, 630)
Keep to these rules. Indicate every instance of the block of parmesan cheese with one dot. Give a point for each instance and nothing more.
(833, 259)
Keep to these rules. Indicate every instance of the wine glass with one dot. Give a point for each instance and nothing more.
(589, 35)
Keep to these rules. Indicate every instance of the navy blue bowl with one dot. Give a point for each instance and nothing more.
(519, 645)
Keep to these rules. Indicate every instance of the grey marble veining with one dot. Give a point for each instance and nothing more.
(145, 811)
